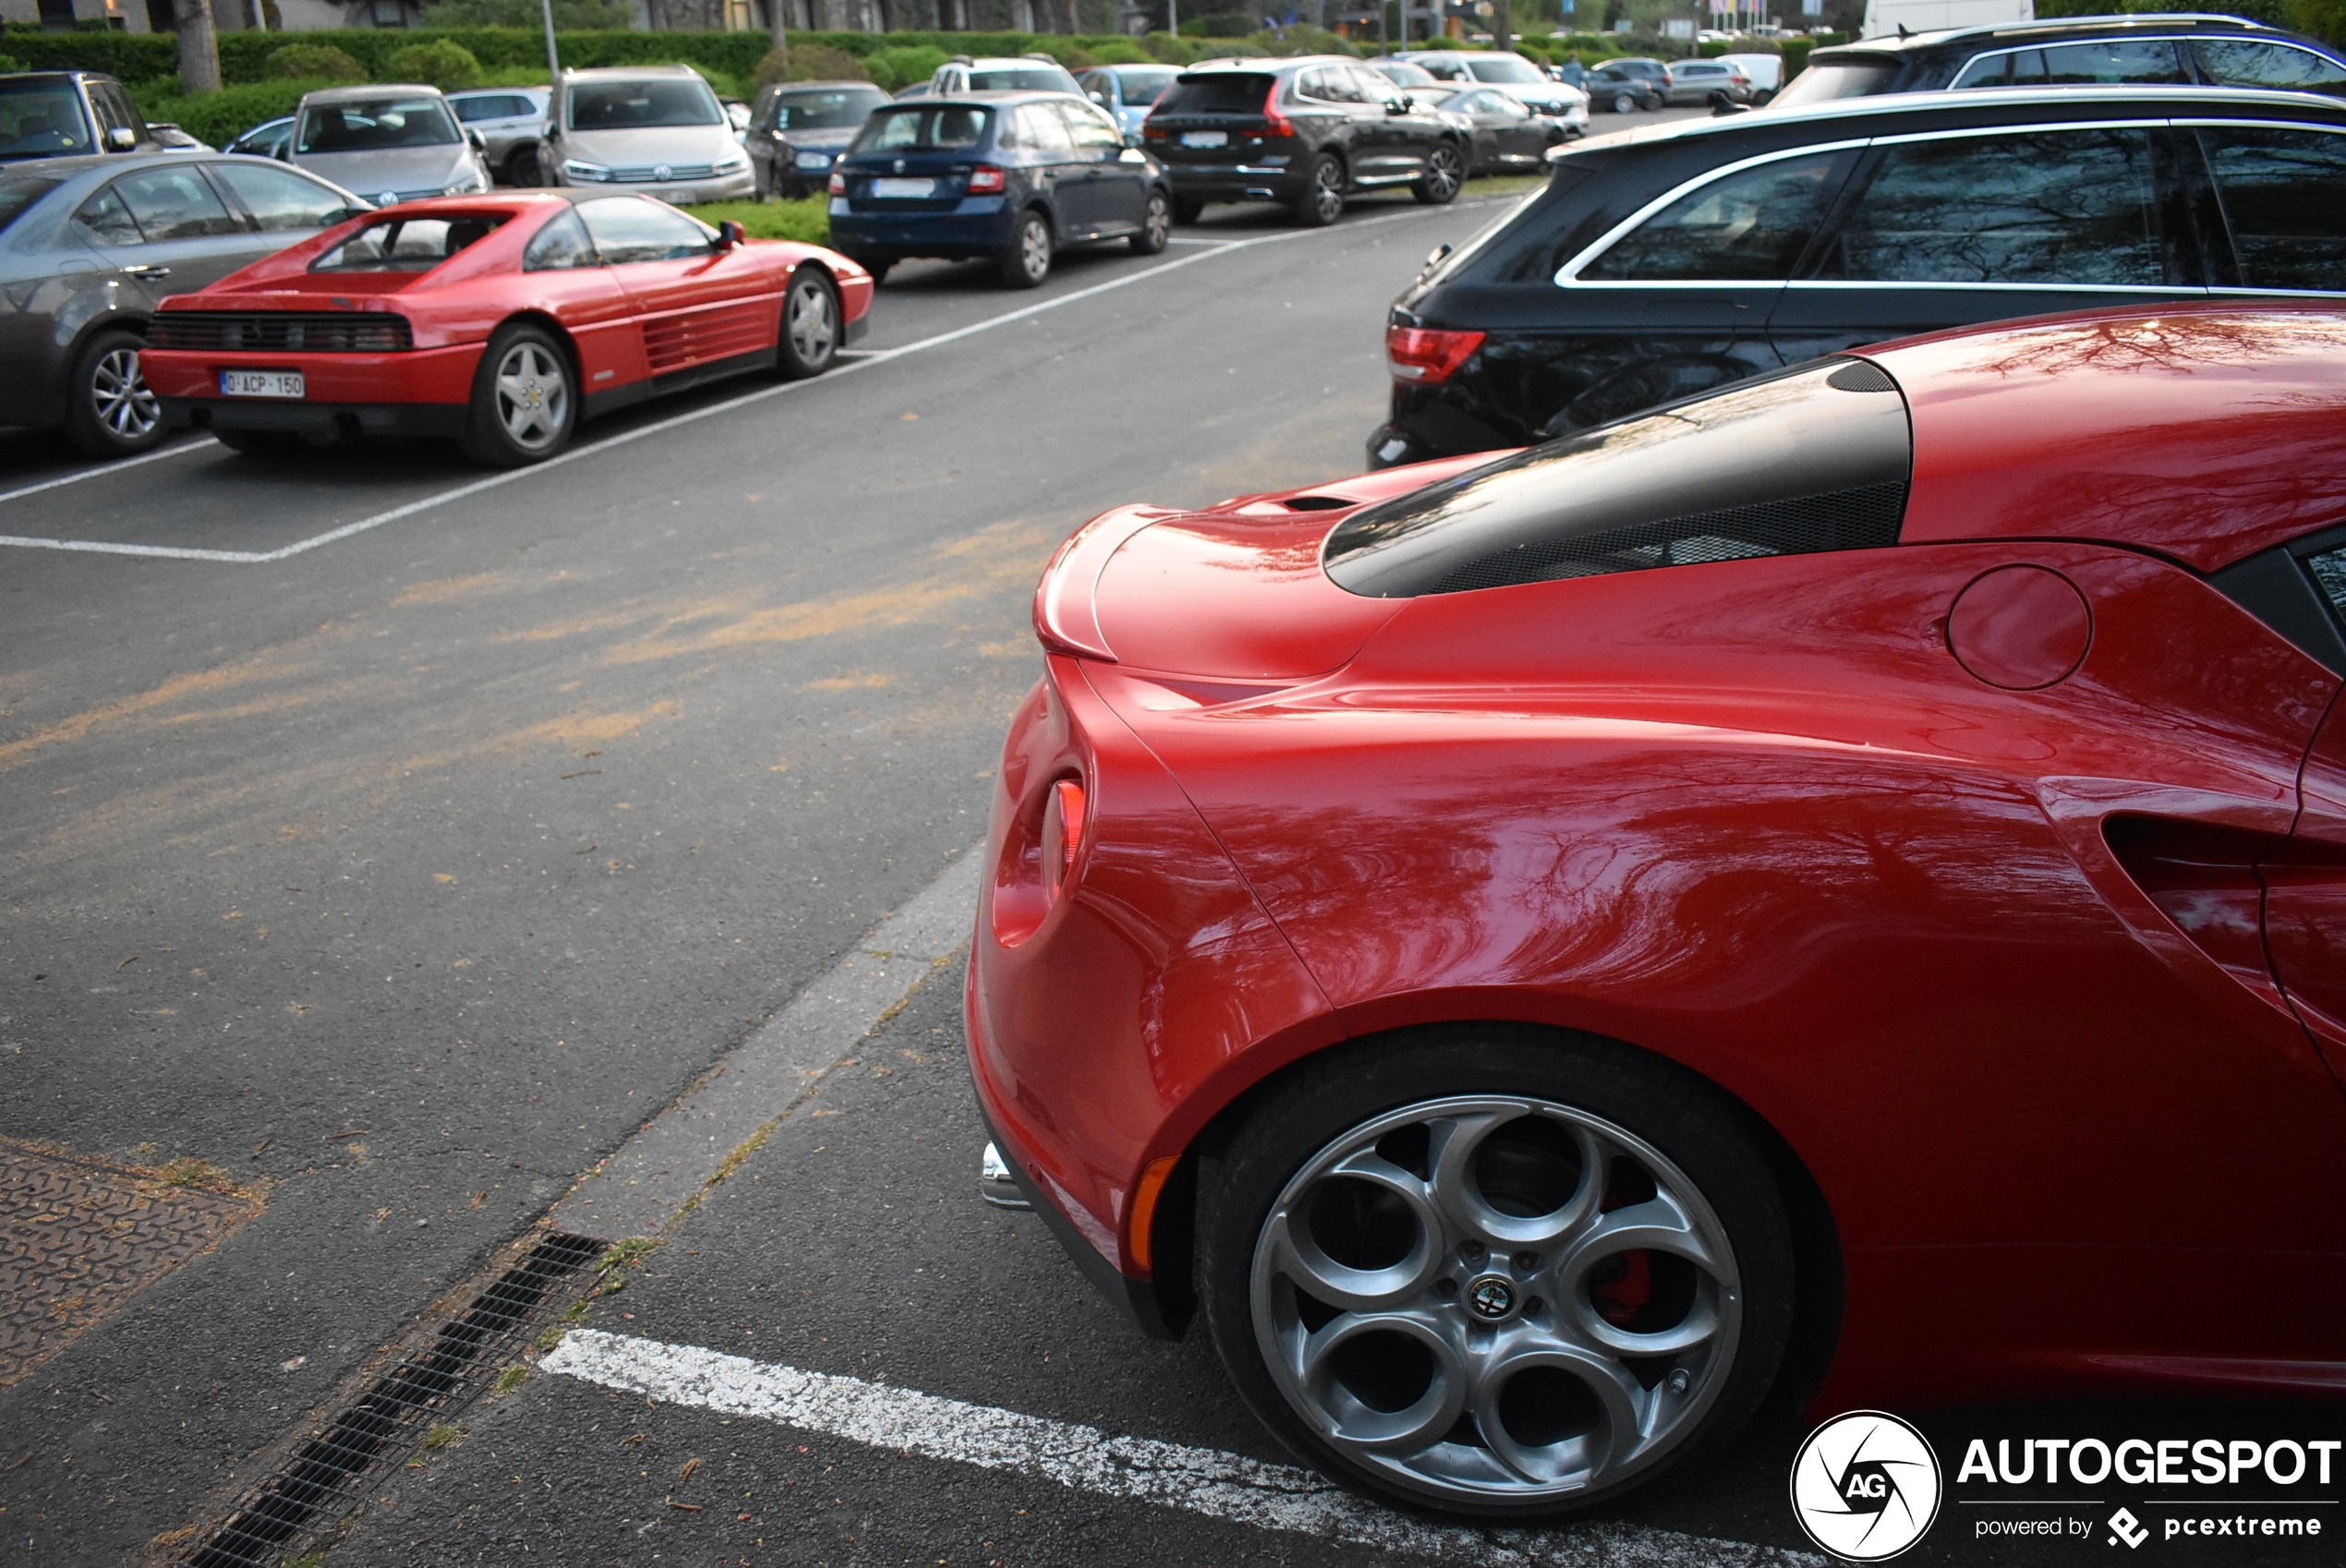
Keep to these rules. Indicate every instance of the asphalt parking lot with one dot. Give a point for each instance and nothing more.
(393, 842)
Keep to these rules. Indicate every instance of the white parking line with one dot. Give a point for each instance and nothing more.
(79, 474)
(1196, 1481)
(862, 362)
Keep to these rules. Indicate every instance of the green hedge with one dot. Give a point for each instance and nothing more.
(220, 117)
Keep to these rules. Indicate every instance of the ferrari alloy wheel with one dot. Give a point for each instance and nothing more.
(111, 412)
(810, 326)
(1444, 173)
(523, 407)
(1321, 202)
(1499, 1302)
(1028, 260)
(1156, 225)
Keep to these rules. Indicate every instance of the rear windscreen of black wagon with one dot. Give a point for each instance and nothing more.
(1813, 459)
(1218, 92)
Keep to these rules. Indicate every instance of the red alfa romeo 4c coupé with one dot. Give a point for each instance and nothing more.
(501, 321)
(1843, 876)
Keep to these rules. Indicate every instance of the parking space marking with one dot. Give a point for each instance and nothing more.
(864, 362)
(79, 474)
(1196, 1481)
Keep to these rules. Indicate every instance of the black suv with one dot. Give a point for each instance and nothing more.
(1306, 133)
(2216, 51)
(1666, 261)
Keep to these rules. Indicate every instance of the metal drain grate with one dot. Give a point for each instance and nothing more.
(323, 1469)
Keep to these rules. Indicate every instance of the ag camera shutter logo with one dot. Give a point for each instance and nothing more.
(1866, 1485)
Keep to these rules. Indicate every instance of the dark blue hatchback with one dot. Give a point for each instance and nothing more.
(1009, 175)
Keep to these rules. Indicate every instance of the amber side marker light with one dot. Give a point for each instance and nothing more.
(1145, 1192)
(1062, 832)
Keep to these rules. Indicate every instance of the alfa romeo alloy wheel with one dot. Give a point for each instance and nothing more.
(1492, 1299)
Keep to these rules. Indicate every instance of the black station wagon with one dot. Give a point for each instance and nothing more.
(1662, 262)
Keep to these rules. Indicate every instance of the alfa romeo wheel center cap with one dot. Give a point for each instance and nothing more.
(1490, 1297)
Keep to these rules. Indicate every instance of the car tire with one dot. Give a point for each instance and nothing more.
(1623, 104)
(1027, 260)
(1444, 174)
(1187, 209)
(110, 411)
(1626, 1364)
(1156, 225)
(879, 270)
(1321, 202)
(525, 401)
(1764, 97)
(521, 168)
(812, 326)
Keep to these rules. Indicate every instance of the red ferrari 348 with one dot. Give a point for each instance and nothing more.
(1843, 878)
(501, 321)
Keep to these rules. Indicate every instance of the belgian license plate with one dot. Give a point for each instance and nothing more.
(262, 383)
(884, 188)
(1206, 138)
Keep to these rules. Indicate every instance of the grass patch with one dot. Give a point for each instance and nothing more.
(1505, 184)
(576, 1312)
(808, 220)
(199, 1174)
(447, 1434)
(611, 1273)
(509, 1380)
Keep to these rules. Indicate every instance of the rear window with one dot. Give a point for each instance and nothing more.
(1138, 89)
(924, 128)
(1505, 67)
(636, 105)
(1222, 93)
(1812, 460)
(1827, 79)
(405, 244)
(831, 109)
(18, 194)
(2330, 572)
(41, 118)
(372, 124)
(1037, 78)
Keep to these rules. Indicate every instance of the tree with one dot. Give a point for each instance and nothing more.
(777, 13)
(1502, 27)
(199, 47)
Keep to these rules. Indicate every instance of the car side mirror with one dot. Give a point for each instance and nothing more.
(730, 234)
(480, 142)
(1099, 98)
(1400, 105)
(122, 138)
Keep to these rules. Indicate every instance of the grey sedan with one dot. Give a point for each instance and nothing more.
(88, 246)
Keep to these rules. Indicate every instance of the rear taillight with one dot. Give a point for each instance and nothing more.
(1155, 132)
(1062, 834)
(1275, 122)
(985, 179)
(1427, 356)
(839, 183)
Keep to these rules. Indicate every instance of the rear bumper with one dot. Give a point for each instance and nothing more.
(310, 417)
(426, 374)
(1235, 182)
(979, 226)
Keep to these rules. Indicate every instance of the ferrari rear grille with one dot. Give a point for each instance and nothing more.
(305, 331)
(1866, 517)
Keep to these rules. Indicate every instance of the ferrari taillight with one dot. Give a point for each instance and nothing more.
(1062, 834)
(985, 180)
(839, 183)
(1426, 355)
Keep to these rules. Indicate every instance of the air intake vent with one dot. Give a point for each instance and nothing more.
(1864, 518)
(1861, 376)
(290, 332)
